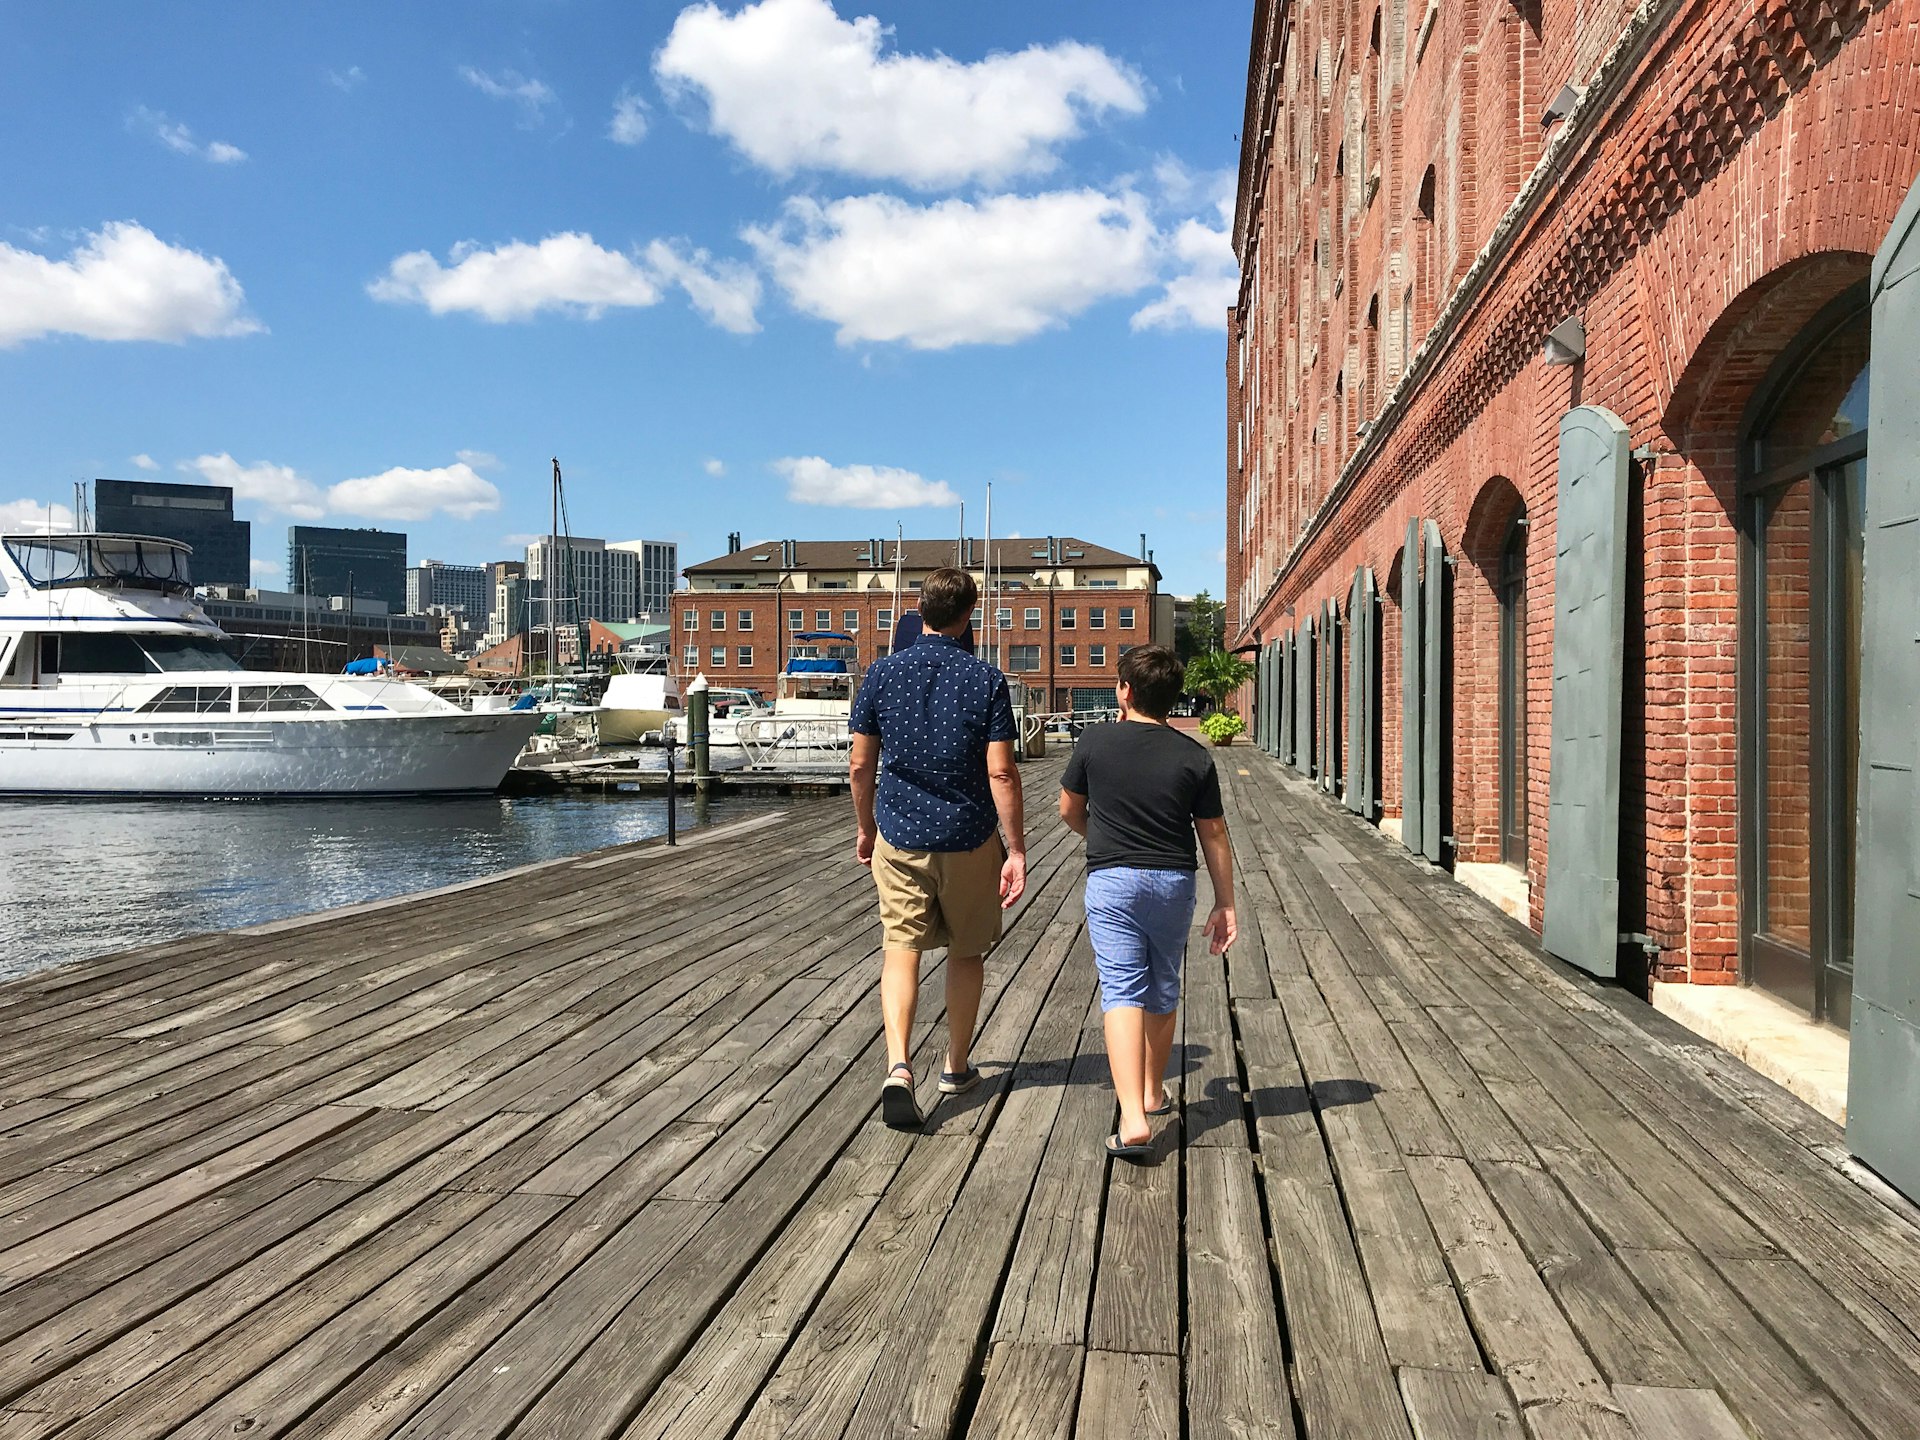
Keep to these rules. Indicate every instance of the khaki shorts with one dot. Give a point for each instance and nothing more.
(931, 898)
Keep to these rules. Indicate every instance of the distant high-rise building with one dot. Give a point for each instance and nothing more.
(507, 580)
(434, 584)
(198, 515)
(659, 573)
(324, 560)
(584, 578)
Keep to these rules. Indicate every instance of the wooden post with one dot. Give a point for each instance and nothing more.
(697, 733)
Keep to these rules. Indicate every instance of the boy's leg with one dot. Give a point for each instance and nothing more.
(1159, 1046)
(1127, 1058)
(969, 896)
(1120, 955)
(1167, 916)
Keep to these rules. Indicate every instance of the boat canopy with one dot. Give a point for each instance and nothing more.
(142, 562)
(825, 635)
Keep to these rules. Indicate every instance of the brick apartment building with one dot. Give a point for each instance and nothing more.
(1510, 265)
(1067, 609)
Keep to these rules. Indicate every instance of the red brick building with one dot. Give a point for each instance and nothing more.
(1687, 196)
(1067, 609)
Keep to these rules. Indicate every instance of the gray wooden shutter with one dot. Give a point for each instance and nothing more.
(1589, 620)
(1433, 679)
(1271, 714)
(1883, 1080)
(1362, 693)
(1309, 660)
(1330, 726)
(1412, 794)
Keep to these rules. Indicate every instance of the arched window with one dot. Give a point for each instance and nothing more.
(1803, 490)
(1424, 206)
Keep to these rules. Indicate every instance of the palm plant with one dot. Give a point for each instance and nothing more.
(1216, 674)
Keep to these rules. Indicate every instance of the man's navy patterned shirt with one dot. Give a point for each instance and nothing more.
(935, 708)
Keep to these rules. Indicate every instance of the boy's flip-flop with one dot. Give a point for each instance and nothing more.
(1120, 1150)
(958, 1082)
(1165, 1107)
(897, 1106)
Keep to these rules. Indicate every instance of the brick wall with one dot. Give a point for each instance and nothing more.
(1731, 169)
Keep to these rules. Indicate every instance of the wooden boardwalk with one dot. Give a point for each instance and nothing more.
(593, 1152)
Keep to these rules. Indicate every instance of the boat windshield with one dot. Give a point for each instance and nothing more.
(186, 652)
(54, 561)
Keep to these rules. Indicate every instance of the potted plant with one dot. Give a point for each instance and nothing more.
(1216, 675)
(1221, 726)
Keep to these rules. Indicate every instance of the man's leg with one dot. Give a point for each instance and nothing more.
(966, 978)
(1127, 1057)
(1159, 1046)
(899, 998)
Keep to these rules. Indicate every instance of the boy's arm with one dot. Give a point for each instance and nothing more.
(1221, 929)
(863, 775)
(1073, 810)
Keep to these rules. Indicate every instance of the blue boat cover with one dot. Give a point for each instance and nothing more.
(372, 666)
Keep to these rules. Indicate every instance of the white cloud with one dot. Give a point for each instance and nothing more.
(574, 275)
(180, 139)
(566, 272)
(957, 272)
(264, 569)
(146, 462)
(715, 468)
(725, 291)
(407, 494)
(478, 459)
(348, 80)
(29, 517)
(629, 123)
(793, 86)
(1203, 287)
(813, 481)
(532, 96)
(1191, 190)
(273, 487)
(517, 542)
(123, 283)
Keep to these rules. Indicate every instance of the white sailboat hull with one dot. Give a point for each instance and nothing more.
(223, 755)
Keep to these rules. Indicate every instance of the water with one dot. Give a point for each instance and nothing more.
(85, 877)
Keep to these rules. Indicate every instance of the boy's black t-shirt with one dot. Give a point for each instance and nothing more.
(1145, 786)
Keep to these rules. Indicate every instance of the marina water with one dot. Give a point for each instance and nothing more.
(87, 877)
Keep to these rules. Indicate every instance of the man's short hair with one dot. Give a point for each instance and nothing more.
(945, 596)
(1155, 675)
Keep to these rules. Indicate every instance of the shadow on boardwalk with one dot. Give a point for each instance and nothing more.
(594, 1153)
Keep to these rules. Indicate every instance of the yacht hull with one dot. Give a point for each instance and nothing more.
(212, 755)
(621, 726)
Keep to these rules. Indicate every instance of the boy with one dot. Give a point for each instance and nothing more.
(1139, 791)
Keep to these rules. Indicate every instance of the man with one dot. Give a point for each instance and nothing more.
(1139, 791)
(943, 724)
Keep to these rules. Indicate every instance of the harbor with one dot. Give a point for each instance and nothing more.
(593, 1151)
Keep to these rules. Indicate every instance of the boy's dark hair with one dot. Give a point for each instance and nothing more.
(945, 596)
(1155, 674)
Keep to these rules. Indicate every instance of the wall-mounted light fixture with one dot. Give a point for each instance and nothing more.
(1562, 104)
(1566, 343)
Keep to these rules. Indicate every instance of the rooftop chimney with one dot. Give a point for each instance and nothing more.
(733, 542)
(1143, 544)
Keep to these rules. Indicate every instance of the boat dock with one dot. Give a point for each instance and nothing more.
(592, 1150)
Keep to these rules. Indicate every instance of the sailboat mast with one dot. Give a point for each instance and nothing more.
(553, 563)
(986, 582)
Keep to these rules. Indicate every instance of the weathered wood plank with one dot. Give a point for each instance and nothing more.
(1236, 1363)
(1660, 1414)
(1030, 1393)
(1129, 1397)
(1458, 1405)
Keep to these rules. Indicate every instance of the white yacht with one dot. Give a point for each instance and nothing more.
(113, 682)
(812, 706)
(728, 708)
(638, 701)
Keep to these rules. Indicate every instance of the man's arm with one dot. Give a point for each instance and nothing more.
(1073, 810)
(863, 773)
(1004, 775)
(1221, 929)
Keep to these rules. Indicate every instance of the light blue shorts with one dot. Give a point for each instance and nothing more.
(1138, 921)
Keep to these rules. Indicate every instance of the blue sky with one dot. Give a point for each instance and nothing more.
(793, 268)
